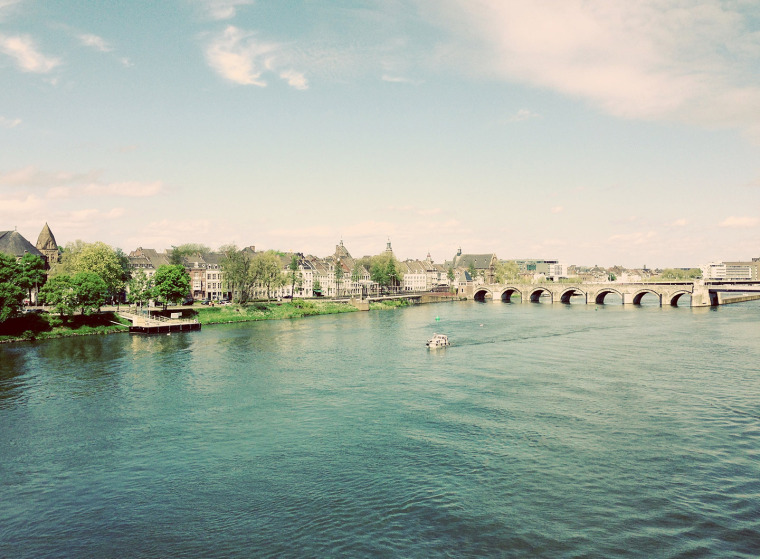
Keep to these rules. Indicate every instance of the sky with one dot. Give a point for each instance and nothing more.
(588, 131)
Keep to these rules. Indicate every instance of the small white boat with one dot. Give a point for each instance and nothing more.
(438, 340)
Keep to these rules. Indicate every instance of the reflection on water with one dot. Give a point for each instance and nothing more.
(542, 431)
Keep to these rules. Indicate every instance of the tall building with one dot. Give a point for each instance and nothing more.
(47, 246)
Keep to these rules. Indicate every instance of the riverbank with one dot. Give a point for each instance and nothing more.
(45, 326)
(42, 326)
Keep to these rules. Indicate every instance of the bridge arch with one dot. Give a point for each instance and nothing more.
(506, 294)
(534, 295)
(639, 295)
(564, 297)
(482, 293)
(602, 293)
(673, 298)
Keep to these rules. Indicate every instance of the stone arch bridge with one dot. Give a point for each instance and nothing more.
(668, 293)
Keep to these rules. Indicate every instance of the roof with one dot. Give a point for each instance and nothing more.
(46, 240)
(13, 243)
(480, 261)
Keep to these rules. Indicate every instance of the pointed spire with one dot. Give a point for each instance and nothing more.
(46, 240)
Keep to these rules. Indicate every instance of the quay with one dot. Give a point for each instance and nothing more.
(143, 323)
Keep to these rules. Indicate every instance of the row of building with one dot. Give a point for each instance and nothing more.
(320, 276)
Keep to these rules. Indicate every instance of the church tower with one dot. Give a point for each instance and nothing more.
(47, 246)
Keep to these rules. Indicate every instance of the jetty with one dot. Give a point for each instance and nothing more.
(144, 323)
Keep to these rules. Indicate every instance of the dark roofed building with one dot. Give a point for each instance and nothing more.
(14, 244)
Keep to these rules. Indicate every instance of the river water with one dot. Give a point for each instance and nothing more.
(543, 431)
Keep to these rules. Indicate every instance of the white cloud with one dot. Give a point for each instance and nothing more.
(223, 9)
(9, 122)
(295, 79)
(692, 61)
(237, 56)
(557, 209)
(23, 51)
(523, 115)
(98, 43)
(240, 57)
(739, 222)
(680, 222)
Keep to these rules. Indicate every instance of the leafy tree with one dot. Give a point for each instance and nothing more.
(268, 268)
(179, 253)
(316, 287)
(59, 292)
(675, 274)
(126, 272)
(98, 258)
(450, 274)
(31, 273)
(140, 288)
(294, 273)
(383, 270)
(11, 294)
(90, 291)
(506, 271)
(472, 270)
(338, 276)
(171, 283)
(240, 273)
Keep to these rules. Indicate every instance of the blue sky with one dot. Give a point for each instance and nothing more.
(590, 131)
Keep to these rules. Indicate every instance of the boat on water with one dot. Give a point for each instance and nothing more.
(438, 340)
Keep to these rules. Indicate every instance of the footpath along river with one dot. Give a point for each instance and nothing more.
(543, 431)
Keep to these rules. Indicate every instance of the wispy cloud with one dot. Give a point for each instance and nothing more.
(22, 49)
(223, 9)
(98, 43)
(523, 115)
(9, 122)
(557, 209)
(739, 222)
(692, 61)
(30, 176)
(680, 222)
(400, 79)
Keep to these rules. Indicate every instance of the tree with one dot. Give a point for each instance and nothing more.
(268, 268)
(179, 253)
(140, 288)
(31, 273)
(171, 283)
(338, 276)
(450, 274)
(472, 270)
(506, 271)
(294, 273)
(59, 293)
(98, 258)
(90, 291)
(383, 270)
(126, 272)
(240, 274)
(11, 294)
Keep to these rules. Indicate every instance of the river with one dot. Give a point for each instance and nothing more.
(543, 431)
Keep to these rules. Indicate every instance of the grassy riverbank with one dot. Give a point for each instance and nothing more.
(265, 311)
(44, 326)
